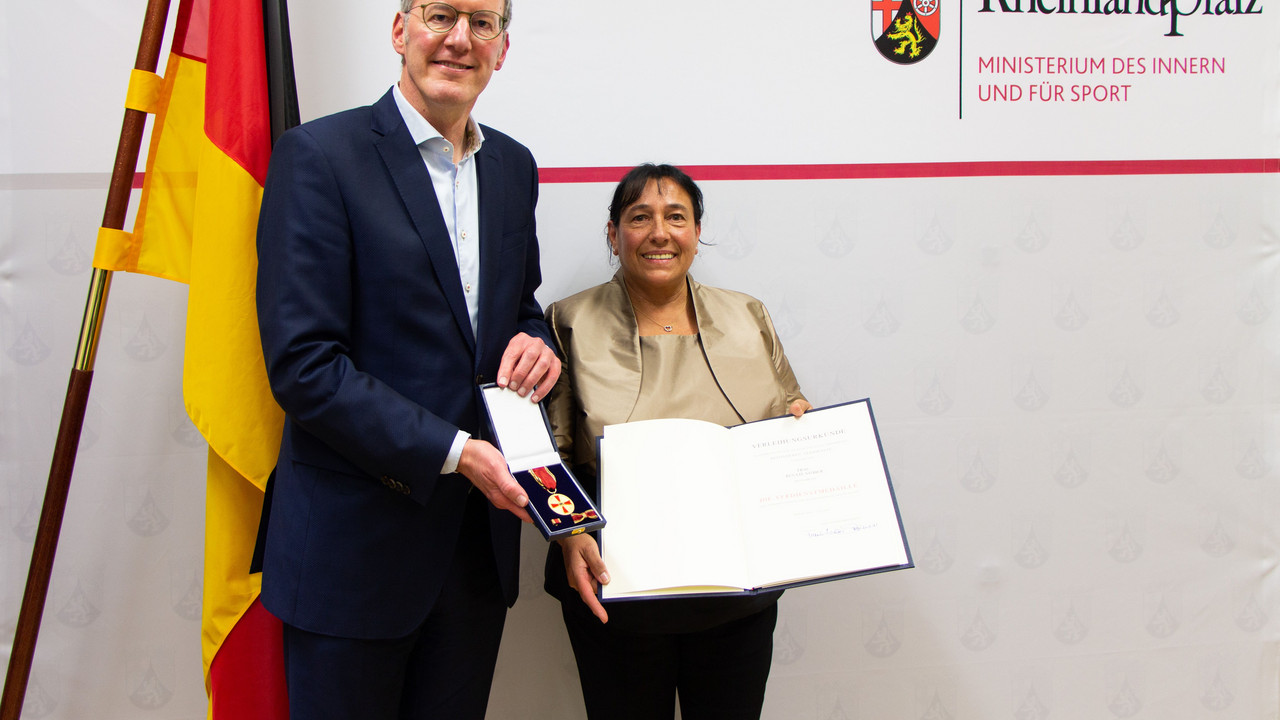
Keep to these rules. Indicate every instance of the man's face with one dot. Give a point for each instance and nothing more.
(445, 72)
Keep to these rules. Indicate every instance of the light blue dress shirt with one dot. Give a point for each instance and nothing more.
(458, 193)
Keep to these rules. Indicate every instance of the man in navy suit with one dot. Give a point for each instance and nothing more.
(397, 267)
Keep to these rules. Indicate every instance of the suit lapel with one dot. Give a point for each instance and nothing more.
(413, 182)
(489, 178)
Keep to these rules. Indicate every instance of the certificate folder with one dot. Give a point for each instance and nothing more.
(700, 509)
(557, 502)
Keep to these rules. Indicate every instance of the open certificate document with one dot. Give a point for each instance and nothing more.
(696, 508)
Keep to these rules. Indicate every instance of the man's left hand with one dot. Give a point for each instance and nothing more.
(528, 364)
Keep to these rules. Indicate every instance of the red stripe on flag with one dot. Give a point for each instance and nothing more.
(191, 32)
(237, 111)
(245, 677)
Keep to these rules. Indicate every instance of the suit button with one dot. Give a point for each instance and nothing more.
(480, 380)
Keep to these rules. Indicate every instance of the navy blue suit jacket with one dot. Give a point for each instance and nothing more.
(370, 352)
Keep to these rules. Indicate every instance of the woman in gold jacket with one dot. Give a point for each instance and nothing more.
(653, 343)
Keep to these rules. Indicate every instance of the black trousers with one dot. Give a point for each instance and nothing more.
(720, 672)
(440, 671)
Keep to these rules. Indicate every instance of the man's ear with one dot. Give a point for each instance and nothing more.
(502, 56)
(397, 35)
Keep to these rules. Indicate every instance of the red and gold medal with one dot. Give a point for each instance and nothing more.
(543, 477)
(560, 504)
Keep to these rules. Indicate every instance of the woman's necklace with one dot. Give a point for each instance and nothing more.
(670, 327)
(647, 316)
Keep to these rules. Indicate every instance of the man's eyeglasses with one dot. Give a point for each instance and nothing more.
(441, 17)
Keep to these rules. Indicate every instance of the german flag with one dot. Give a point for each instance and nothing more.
(227, 92)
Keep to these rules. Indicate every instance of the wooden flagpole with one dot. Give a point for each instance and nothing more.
(77, 399)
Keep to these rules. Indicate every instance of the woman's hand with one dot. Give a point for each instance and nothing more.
(799, 407)
(586, 570)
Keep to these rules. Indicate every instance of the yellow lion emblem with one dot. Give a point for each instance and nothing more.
(907, 30)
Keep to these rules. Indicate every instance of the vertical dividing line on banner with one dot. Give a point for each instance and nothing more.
(960, 63)
(77, 399)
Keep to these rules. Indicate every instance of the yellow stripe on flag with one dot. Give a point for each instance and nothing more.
(146, 91)
(224, 383)
(161, 243)
(113, 249)
(225, 378)
(228, 586)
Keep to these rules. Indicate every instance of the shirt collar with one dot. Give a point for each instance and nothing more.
(421, 131)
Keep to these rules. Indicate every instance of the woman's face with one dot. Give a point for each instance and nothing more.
(656, 237)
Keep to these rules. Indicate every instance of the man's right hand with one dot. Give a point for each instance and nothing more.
(485, 467)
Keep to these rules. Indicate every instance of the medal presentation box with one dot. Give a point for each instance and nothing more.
(557, 502)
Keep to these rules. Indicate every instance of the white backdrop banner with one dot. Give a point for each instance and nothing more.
(1045, 246)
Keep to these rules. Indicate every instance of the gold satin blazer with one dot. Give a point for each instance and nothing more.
(599, 346)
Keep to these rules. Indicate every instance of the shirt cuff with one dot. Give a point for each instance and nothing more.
(455, 453)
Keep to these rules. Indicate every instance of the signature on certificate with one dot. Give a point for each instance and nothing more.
(843, 529)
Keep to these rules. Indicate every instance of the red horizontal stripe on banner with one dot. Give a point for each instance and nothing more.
(1015, 168)
(1030, 168)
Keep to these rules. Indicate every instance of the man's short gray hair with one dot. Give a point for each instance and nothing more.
(407, 5)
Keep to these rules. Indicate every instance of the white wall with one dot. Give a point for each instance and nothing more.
(1075, 377)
